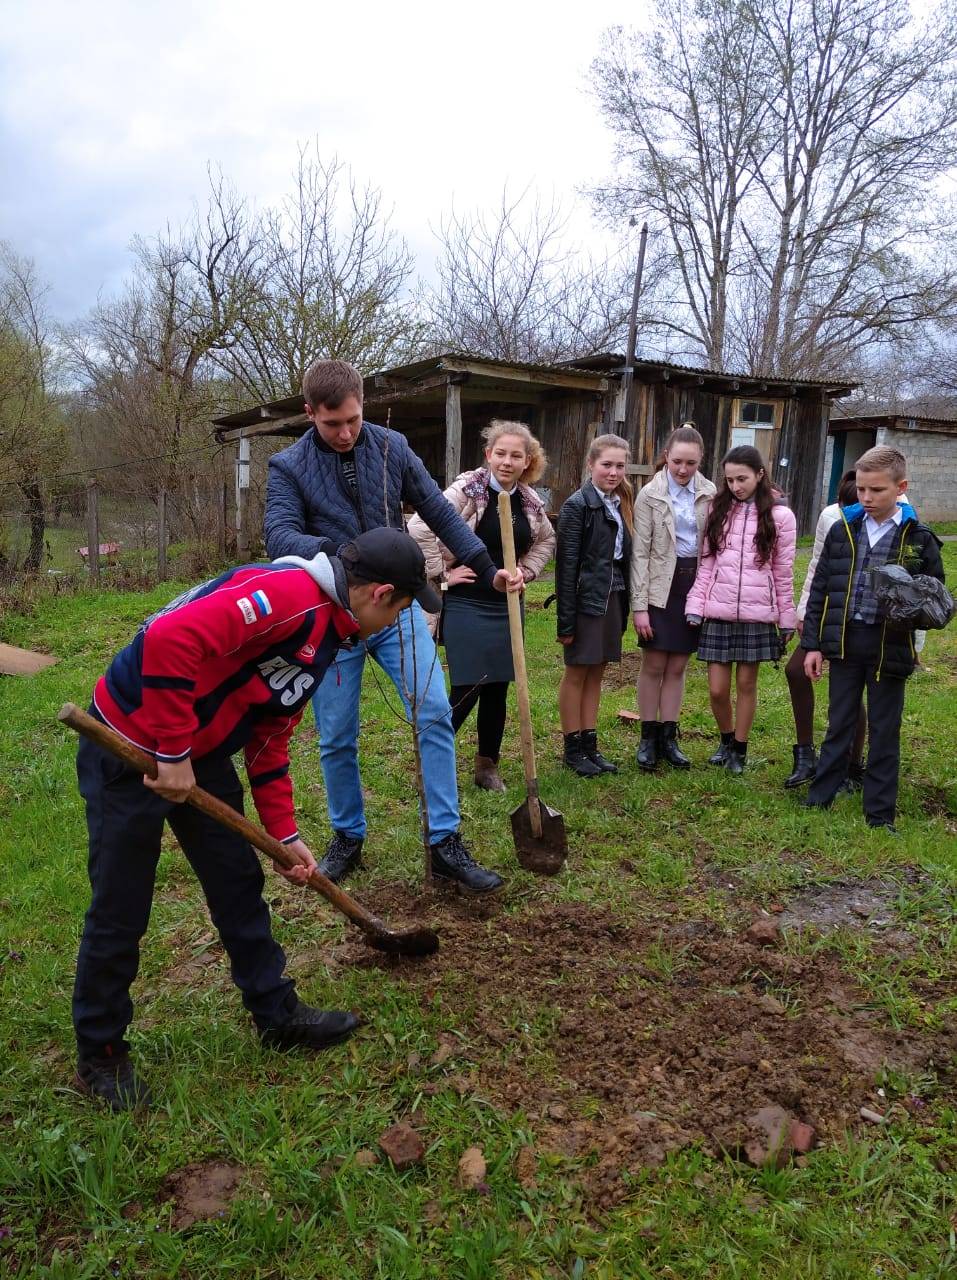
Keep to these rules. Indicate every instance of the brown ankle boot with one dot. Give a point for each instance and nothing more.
(486, 774)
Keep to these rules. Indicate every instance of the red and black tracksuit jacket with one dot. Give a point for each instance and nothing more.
(230, 665)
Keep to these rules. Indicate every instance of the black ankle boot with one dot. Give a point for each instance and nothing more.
(737, 754)
(590, 748)
(720, 756)
(854, 780)
(646, 756)
(575, 757)
(805, 767)
(670, 751)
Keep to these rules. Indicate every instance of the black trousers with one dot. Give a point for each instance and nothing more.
(492, 702)
(850, 677)
(125, 823)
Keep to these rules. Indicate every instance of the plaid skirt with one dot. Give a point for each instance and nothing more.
(738, 641)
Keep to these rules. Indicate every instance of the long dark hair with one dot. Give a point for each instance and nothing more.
(847, 489)
(715, 531)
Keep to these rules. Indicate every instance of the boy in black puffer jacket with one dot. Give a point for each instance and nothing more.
(843, 624)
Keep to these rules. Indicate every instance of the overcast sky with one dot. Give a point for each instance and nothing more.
(110, 113)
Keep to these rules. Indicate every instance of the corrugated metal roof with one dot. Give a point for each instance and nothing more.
(611, 360)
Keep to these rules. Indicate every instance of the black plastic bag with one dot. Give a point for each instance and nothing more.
(920, 603)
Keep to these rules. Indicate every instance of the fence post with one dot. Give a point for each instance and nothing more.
(242, 486)
(92, 533)
(161, 536)
(221, 530)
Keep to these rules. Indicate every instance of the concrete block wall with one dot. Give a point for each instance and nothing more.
(931, 469)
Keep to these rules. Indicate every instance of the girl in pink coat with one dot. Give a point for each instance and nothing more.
(743, 594)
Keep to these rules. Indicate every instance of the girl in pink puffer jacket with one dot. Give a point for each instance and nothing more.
(743, 595)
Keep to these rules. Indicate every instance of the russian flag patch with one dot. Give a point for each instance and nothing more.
(261, 602)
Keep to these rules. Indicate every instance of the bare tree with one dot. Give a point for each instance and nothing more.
(146, 357)
(333, 284)
(31, 428)
(793, 155)
(510, 286)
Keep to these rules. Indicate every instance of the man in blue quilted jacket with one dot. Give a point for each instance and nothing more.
(342, 478)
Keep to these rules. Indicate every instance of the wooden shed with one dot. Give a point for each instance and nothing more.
(442, 403)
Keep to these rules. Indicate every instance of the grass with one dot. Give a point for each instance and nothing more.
(81, 1192)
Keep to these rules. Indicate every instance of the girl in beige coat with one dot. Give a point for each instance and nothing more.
(475, 619)
(670, 514)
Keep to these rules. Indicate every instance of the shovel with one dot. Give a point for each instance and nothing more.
(539, 832)
(408, 942)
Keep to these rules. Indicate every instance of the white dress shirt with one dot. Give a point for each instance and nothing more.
(686, 526)
(613, 507)
(876, 531)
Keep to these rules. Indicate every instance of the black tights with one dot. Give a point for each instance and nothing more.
(802, 704)
(491, 700)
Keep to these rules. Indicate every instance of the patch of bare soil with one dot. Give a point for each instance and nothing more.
(936, 802)
(649, 1036)
(202, 1190)
(844, 904)
(618, 675)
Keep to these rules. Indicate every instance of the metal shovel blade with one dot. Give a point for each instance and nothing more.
(403, 942)
(545, 854)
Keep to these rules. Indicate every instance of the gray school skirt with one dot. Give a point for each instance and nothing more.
(475, 633)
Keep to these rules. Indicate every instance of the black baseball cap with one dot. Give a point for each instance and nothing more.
(389, 555)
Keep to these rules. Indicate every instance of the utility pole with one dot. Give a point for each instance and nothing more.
(628, 376)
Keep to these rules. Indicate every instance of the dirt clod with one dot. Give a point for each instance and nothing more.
(365, 1158)
(402, 1145)
(526, 1167)
(472, 1169)
(771, 1144)
(201, 1190)
(763, 932)
(803, 1137)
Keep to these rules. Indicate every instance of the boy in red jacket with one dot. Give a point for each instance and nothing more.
(229, 665)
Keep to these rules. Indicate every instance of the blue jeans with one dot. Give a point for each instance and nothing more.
(336, 706)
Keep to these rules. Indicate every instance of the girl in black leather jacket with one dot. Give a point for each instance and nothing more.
(593, 551)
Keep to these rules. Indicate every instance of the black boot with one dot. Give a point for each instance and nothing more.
(343, 854)
(451, 860)
(575, 757)
(720, 756)
(854, 780)
(670, 751)
(111, 1079)
(737, 754)
(646, 756)
(590, 749)
(308, 1028)
(805, 766)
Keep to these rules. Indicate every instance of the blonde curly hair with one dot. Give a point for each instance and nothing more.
(537, 460)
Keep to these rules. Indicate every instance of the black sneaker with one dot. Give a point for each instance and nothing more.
(451, 860)
(309, 1028)
(343, 854)
(112, 1080)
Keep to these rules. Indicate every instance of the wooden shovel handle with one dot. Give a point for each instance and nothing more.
(111, 741)
(521, 673)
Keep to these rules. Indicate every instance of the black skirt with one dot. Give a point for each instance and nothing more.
(598, 640)
(672, 633)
